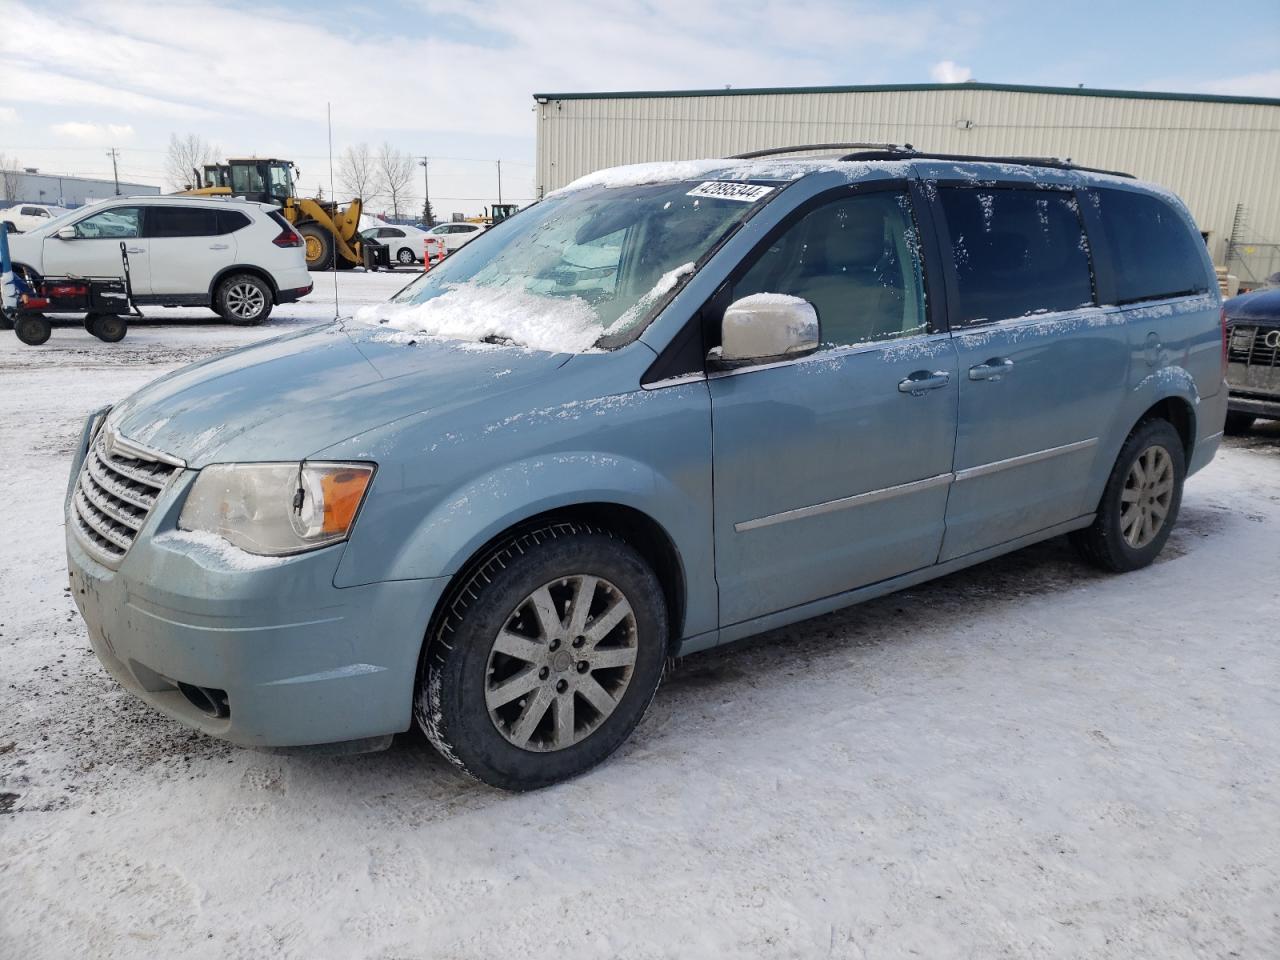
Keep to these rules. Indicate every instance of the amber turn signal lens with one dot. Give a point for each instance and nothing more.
(343, 492)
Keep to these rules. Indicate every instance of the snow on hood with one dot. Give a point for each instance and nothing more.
(473, 312)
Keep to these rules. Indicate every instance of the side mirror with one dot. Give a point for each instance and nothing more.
(66, 233)
(765, 327)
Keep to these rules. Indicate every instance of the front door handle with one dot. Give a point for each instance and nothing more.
(137, 249)
(993, 369)
(922, 381)
(219, 246)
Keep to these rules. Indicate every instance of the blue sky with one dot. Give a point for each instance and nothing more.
(453, 79)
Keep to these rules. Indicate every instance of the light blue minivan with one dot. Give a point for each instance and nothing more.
(665, 408)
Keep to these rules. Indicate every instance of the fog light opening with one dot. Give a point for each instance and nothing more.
(207, 700)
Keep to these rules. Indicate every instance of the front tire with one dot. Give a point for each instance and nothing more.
(318, 246)
(107, 327)
(243, 299)
(406, 257)
(33, 331)
(1140, 502)
(547, 658)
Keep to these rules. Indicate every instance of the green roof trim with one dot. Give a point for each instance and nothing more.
(909, 88)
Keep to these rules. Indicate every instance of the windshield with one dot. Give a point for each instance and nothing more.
(579, 270)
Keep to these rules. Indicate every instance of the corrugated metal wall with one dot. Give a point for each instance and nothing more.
(1215, 155)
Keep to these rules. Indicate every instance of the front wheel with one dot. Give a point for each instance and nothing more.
(33, 331)
(547, 659)
(406, 257)
(244, 299)
(107, 327)
(1140, 502)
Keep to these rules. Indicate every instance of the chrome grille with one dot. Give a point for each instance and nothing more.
(118, 486)
(1249, 345)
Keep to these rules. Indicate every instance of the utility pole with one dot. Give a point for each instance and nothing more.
(114, 154)
(426, 191)
(499, 183)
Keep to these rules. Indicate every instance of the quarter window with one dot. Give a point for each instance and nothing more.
(1015, 253)
(1153, 253)
(118, 223)
(857, 260)
(182, 222)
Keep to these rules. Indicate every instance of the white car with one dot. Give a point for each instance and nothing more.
(405, 242)
(236, 257)
(28, 216)
(456, 234)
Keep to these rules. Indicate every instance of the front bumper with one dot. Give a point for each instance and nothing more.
(301, 661)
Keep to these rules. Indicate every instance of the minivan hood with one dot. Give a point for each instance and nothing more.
(290, 397)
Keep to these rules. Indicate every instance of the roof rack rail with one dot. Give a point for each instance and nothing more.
(776, 151)
(1057, 163)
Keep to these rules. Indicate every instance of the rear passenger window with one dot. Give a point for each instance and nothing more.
(1153, 253)
(857, 260)
(182, 222)
(229, 221)
(1015, 253)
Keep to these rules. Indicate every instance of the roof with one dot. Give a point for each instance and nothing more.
(913, 88)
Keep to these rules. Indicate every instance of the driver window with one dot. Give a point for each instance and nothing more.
(857, 260)
(119, 223)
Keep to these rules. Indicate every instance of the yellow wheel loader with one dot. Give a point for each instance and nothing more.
(331, 232)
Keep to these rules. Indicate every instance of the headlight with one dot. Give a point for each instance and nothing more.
(275, 509)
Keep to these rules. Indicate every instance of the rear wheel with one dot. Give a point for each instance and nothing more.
(1140, 503)
(243, 298)
(1239, 424)
(107, 327)
(546, 660)
(33, 331)
(406, 256)
(319, 246)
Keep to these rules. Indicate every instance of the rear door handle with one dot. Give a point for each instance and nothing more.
(922, 381)
(137, 250)
(219, 246)
(993, 369)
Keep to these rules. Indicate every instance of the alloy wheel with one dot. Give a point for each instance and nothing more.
(561, 663)
(245, 301)
(1146, 497)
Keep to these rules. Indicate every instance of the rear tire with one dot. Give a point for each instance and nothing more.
(107, 327)
(1238, 424)
(33, 331)
(1140, 502)
(520, 689)
(319, 246)
(243, 299)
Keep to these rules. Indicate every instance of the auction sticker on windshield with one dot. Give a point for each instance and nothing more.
(729, 190)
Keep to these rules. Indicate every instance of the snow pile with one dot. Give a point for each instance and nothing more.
(204, 546)
(472, 312)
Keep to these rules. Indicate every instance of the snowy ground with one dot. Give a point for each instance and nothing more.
(1023, 760)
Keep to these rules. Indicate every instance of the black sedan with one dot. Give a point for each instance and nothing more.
(1253, 358)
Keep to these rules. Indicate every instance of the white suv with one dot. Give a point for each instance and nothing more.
(236, 257)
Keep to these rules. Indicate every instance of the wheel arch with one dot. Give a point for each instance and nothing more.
(630, 524)
(1170, 394)
(257, 271)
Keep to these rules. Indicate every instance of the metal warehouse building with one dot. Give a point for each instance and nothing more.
(1220, 154)
(31, 186)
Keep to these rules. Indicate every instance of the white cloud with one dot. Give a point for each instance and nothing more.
(8, 115)
(1264, 84)
(96, 133)
(948, 71)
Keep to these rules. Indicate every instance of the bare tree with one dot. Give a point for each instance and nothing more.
(358, 173)
(186, 156)
(10, 171)
(395, 170)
